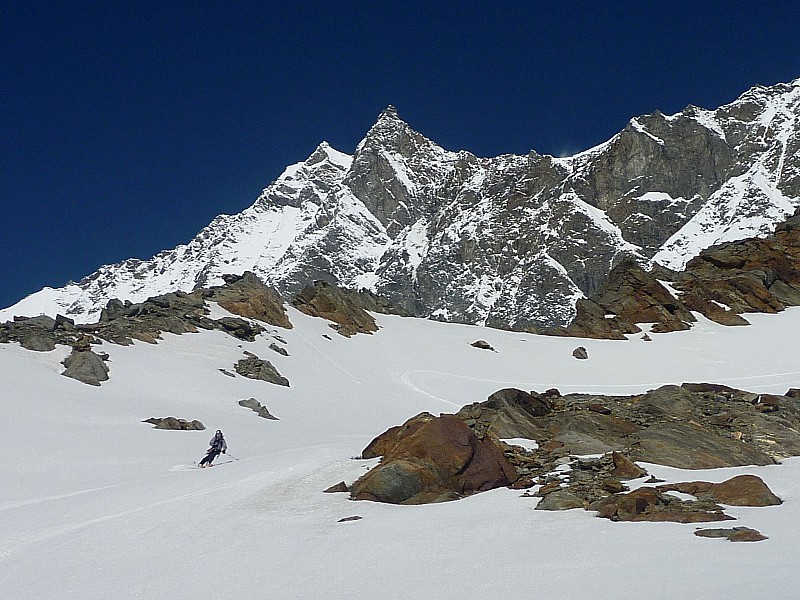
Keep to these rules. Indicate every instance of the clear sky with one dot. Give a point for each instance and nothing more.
(126, 127)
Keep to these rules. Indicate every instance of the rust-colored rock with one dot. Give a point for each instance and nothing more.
(343, 307)
(336, 488)
(650, 504)
(433, 460)
(249, 297)
(743, 490)
(624, 468)
(734, 534)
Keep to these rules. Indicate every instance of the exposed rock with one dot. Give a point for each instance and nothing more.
(249, 297)
(649, 504)
(238, 328)
(691, 446)
(599, 408)
(386, 443)
(482, 344)
(348, 519)
(722, 283)
(559, 500)
(624, 468)
(85, 366)
(40, 334)
(339, 487)
(280, 350)
(178, 313)
(507, 413)
(343, 307)
(432, 460)
(743, 490)
(628, 296)
(734, 534)
(580, 353)
(176, 424)
(253, 367)
(258, 408)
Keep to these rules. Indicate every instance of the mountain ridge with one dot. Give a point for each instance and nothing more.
(511, 241)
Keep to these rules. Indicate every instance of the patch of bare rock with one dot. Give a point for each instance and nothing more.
(178, 313)
(587, 448)
(175, 424)
(483, 345)
(347, 309)
(723, 282)
(258, 408)
(733, 534)
(84, 365)
(252, 367)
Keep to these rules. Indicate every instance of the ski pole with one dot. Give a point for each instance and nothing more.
(231, 455)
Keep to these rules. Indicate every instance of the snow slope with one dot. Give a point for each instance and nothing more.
(97, 505)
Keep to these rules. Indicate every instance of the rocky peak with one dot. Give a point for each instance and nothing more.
(508, 241)
(395, 171)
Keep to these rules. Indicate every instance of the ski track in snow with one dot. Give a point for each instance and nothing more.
(134, 524)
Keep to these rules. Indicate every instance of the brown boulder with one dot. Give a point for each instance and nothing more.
(743, 490)
(650, 504)
(432, 460)
(625, 468)
(734, 534)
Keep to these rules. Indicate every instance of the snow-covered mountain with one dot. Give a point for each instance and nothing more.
(510, 241)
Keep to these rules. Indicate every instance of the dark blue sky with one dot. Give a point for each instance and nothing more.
(124, 130)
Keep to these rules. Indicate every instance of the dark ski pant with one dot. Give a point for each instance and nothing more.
(209, 458)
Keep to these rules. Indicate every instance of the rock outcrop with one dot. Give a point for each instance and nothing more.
(432, 459)
(743, 490)
(693, 426)
(253, 367)
(723, 282)
(649, 504)
(249, 297)
(85, 366)
(258, 408)
(733, 534)
(345, 308)
(175, 424)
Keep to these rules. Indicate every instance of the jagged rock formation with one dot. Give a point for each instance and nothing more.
(258, 408)
(177, 312)
(175, 424)
(253, 367)
(509, 241)
(693, 426)
(86, 366)
(346, 308)
(248, 297)
(724, 281)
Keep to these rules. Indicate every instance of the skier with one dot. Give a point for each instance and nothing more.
(217, 445)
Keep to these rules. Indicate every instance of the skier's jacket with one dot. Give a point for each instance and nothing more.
(218, 442)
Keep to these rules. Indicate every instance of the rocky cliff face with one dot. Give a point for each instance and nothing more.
(510, 241)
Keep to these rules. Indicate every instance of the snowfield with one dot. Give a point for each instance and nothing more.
(96, 504)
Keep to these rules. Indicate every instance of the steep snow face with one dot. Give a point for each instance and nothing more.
(255, 239)
(507, 241)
